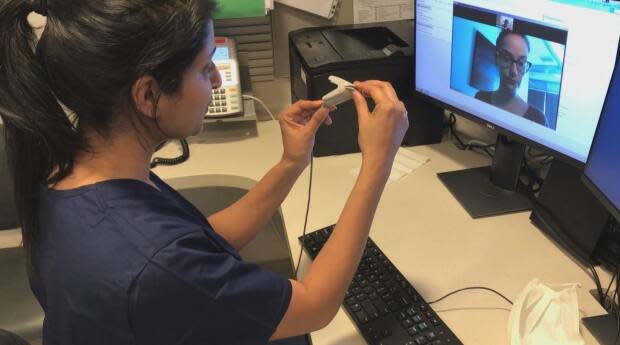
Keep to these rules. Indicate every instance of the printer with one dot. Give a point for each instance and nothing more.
(381, 51)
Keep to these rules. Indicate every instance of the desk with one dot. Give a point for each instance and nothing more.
(419, 225)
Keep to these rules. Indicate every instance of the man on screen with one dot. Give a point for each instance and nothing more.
(512, 50)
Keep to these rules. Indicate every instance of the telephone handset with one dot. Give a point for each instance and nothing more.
(227, 100)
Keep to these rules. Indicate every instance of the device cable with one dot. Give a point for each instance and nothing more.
(262, 104)
(460, 144)
(301, 251)
(173, 161)
(471, 288)
(599, 287)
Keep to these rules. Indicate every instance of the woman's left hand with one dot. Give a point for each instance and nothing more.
(299, 124)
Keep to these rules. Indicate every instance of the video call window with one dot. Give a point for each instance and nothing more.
(508, 62)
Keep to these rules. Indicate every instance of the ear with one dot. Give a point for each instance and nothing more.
(144, 93)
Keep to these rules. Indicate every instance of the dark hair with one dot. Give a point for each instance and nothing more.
(502, 36)
(88, 57)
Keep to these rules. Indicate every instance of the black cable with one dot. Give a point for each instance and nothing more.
(471, 288)
(301, 251)
(173, 161)
(599, 287)
(613, 278)
(460, 144)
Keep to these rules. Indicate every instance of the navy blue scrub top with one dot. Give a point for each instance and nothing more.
(120, 262)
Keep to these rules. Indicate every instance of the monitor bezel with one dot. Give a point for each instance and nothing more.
(501, 130)
(598, 193)
(615, 212)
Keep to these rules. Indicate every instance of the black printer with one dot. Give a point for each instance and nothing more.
(381, 51)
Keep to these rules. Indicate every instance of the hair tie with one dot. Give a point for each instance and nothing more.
(40, 7)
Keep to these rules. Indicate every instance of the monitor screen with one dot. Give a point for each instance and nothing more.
(535, 68)
(603, 166)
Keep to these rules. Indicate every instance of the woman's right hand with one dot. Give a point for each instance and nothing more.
(381, 131)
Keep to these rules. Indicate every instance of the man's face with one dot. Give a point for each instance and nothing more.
(511, 58)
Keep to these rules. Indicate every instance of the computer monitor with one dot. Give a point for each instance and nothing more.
(602, 172)
(536, 71)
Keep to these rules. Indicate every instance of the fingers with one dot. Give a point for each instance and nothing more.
(304, 106)
(360, 104)
(318, 118)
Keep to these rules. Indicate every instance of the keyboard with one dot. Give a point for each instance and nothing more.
(384, 306)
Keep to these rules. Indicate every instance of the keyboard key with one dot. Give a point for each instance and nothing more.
(421, 340)
(362, 317)
(404, 301)
(407, 323)
(356, 307)
(381, 307)
(370, 309)
(423, 326)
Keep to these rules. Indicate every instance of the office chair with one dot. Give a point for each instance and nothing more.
(8, 338)
(8, 213)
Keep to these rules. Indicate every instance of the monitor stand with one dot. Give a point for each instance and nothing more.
(604, 328)
(492, 190)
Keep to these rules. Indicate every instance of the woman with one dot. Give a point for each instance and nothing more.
(512, 50)
(117, 256)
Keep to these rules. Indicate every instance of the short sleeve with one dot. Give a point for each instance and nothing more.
(194, 292)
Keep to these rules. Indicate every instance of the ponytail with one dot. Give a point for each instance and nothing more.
(41, 141)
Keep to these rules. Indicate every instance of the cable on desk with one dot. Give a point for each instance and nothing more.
(262, 104)
(473, 145)
(301, 251)
(599, 287)
(471, 288)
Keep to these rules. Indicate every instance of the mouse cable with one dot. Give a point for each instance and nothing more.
(471, 288)
(301, 251)
(262, 104)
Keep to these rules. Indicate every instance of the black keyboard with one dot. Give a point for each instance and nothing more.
(382, 303)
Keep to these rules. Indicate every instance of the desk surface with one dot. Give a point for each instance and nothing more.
(419, 225)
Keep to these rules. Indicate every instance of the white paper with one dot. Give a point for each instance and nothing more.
(372, 11)
(323, 8)
(405, 163)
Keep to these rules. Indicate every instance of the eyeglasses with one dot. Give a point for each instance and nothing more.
(506, 60)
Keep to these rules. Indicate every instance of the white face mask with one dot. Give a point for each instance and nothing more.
(544, 315)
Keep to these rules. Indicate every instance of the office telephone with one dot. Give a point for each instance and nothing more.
(227, 100)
